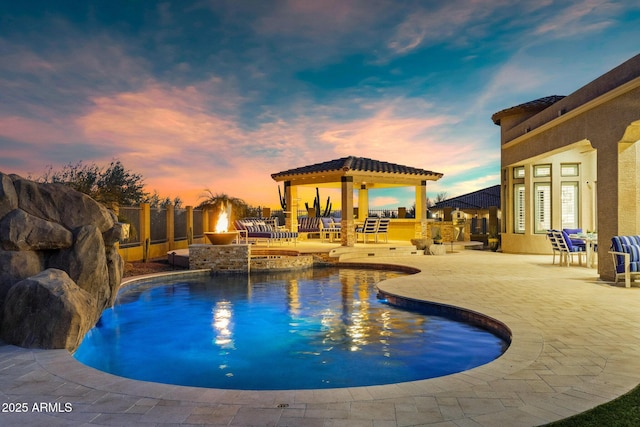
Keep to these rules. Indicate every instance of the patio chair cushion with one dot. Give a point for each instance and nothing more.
(575, 242)
(618, 241)
(573, 230)
(633, 251)
(258, 227)
(634, 258)
(309, 224)
(327, 222)
(241, 225)
(630, 245)
(570, 245)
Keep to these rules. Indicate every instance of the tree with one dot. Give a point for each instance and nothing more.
(441, 197)
(113, 186)
(80, 177)
(411, 212)
(239, 208)
(120, 186)
(157, 201)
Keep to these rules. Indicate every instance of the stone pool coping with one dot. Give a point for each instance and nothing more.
(572, 349)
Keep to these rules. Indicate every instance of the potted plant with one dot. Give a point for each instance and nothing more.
(436, 236)
(493, 240)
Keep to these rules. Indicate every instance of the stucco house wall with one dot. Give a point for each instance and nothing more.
(598, 126)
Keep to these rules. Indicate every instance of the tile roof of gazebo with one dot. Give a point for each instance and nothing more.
(362, 170)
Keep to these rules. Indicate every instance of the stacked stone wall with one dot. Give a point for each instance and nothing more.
(220, 258)
(277, 262)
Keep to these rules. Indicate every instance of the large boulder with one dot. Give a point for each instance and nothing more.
(115, 267)
(20, 231)
(62, 204)
(115, 234)
(89, 272)
(8, 196)
(48, 310)
(16, 266)
(53, 229)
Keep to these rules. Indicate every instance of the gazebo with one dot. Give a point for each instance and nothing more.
(363, 174)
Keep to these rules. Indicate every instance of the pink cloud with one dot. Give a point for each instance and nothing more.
(167, 134)
(383, 201)
(387, 135)
(35, 131)
(181, 146)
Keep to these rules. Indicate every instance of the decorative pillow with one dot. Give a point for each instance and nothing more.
(633, 250)
(573, 230)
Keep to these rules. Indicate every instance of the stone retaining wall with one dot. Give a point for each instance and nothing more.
(280, 262)
(222, 258)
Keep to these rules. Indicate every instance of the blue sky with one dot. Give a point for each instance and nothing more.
(220, 94)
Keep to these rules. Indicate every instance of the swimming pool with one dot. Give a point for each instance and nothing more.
(319, 328)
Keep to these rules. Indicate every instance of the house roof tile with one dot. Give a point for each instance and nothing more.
(528, 107)
(481, 199)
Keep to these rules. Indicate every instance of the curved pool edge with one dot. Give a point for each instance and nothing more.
(496, 338)
(472, 317)
(525, 346)
(518, 354)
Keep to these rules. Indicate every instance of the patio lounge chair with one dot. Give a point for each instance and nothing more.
(369, 228)
(266, 229)
(329, 229)
(625, 251)
(309, 225)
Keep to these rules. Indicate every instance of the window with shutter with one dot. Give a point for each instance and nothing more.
(518, 208)
(569, 204)
(542, 207)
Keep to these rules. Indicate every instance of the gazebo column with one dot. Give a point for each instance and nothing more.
(363, 202)
(421, 210)
(291, 197)
(348, 231)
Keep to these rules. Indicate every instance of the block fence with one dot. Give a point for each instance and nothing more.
(156, 231)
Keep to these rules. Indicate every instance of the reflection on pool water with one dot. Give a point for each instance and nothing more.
(320, 328)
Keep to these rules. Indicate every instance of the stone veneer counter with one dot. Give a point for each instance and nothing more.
(241, 259)
(223, 258)
(278, 260)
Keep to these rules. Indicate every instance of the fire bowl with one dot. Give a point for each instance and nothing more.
(221, 238)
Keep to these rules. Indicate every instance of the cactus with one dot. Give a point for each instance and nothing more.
(283, 198)
(316, 205)
(327, 209)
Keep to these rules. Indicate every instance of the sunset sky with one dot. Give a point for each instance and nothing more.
(220, 94)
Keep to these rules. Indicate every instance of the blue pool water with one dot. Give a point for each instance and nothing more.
(320, 328)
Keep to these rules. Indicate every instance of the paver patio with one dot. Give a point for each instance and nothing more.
(575, 345)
